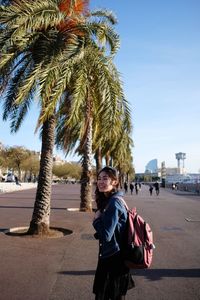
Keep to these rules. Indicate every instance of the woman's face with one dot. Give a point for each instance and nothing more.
(105, 184)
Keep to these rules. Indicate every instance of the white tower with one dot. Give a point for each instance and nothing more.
(180, 158)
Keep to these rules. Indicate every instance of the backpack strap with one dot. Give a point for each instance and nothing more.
(132, 238)
(125, 204)
(123, 201)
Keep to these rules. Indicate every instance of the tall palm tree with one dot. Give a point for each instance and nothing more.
(108, 145)
(116, 145)
(97, 96)
(40, 42)
(34, 47)
(122, 157)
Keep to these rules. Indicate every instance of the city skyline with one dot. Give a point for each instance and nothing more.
(159, 62)
(75, 158)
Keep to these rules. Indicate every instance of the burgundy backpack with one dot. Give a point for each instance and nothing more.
(137, 245)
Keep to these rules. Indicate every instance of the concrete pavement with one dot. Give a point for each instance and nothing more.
(63, 268)
(6, 187)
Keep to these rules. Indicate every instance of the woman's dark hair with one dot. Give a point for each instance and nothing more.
(101, 199)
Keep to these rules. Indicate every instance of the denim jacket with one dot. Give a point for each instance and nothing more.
(110, 226)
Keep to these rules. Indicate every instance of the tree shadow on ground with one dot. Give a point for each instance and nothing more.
(77, 273)
(29, 207)
(158, 274)
(150, 274)
(187, 194)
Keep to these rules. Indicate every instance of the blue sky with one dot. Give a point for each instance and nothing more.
(159, 62)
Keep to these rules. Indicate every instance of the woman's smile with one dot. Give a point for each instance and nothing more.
(104, 183)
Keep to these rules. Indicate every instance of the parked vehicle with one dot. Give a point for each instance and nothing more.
(8, 177)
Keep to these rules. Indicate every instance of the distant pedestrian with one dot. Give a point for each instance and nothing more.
(151, 190)
(17, 180)
(131, 187)
(136, 188)
(157, 188)
(125, 187)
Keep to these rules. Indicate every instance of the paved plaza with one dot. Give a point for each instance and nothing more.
(63, 268)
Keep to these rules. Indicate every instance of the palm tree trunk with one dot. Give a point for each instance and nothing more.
(127, 176)
(19, 173)
(98, 159)
(121, 180)
(41, 214)
(107, 159)
(86, 177)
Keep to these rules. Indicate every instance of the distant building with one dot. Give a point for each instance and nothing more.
(163, 170)
(180, 157)
(152, 166)
(169, 175)
(172, 171)
(183, 178)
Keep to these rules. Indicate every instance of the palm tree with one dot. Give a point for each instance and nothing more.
(41, 41)
(97, 94)
(122, 158)
(34, 47)
(108, 145)
(116, 145)
(120, 153)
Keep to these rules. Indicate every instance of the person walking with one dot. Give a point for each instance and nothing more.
(157, 188)
(17, 180)
(131, 187)
(112, 276)
(125, 187)
(150, 189)
(136, 188)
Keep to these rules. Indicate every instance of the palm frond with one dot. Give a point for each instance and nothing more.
(105, 14)
(29, 82)
(103, 34)
(12, 89)
(19, 112)
(23, 19)
(5, 58)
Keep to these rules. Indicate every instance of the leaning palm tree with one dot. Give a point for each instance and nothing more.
(97, 96)
(40, 42)
(117, 148)
(100, 121)
(122, 157)
(121, 150)
(103, 95)
(92, 83)
(107, 144)
(34, 46)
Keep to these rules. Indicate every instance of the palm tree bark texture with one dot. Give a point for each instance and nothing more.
(86, 177)
(41, 213)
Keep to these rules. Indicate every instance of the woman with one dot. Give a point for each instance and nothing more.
(112, 277)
